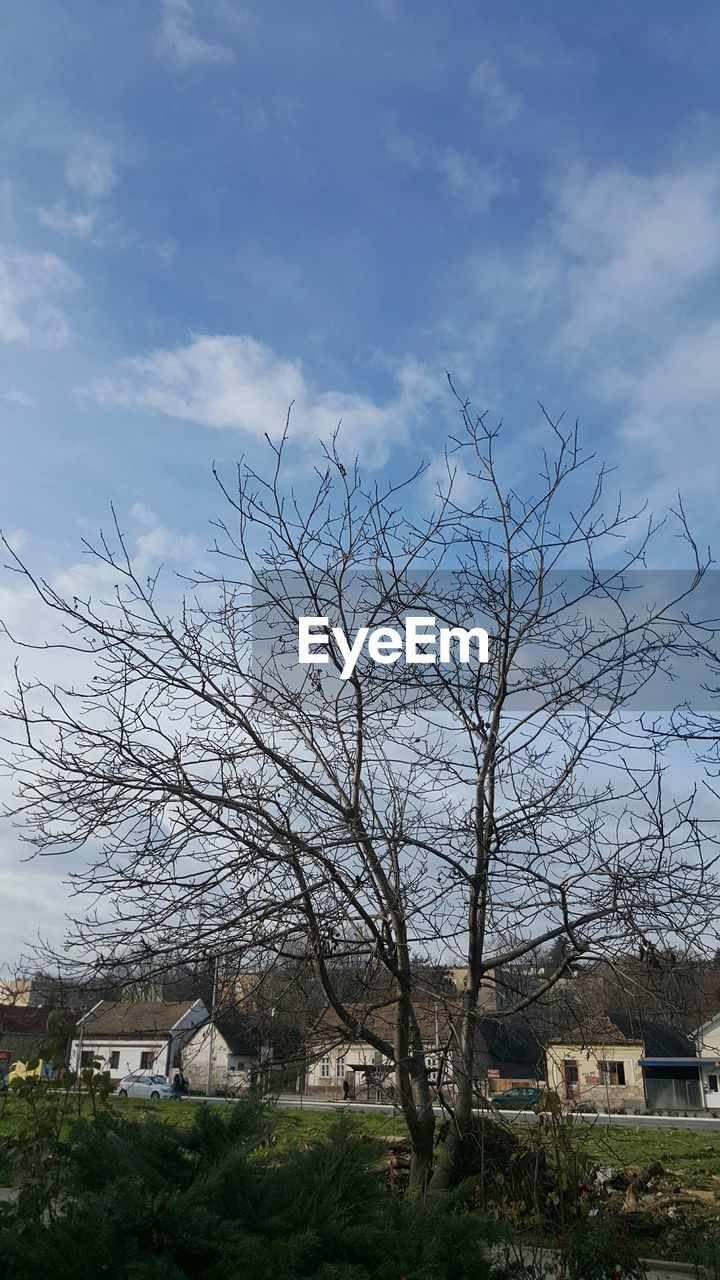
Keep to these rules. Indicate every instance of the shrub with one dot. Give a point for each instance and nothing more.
(152, 1202)
(486, 1148)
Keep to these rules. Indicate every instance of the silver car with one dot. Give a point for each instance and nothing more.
(143, 1085)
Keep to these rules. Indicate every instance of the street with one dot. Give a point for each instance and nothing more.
(696, 1123)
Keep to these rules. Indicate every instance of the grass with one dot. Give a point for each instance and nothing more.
(691, 1160)
(293, 1129)
(695, 1156)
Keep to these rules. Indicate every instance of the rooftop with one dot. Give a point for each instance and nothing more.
(135, 1018)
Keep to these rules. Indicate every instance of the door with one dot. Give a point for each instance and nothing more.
(712, 1090)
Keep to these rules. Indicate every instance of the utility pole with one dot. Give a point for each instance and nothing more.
(211, 1036)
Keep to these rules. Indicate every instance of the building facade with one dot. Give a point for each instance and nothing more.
(129, 1036)
(605, 1075)
(223, 1057)
(336, 1056)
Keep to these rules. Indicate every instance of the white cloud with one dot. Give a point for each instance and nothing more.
(235, 382)
(633, 245)
(34, 894)
(144, 515)
(33, 902)
(89, 168)
(500, 104)
(29, 285)
(88, 163)
(64, 221)
(473, 184)
(671, 408)
(622, 280)
(638, 256)
(20, 398)
(16, 538)
(520, 285)
(620, 260)
(178, 42)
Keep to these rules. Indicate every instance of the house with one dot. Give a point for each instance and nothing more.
(336, 1055)
(22, 1032)
(27, 1032)
(707, 1037)
(595, 1062)
(613, 1062)
(670, 1066)
(127, 1036)
(508, 1052)
(223, 1056)
(707, 1044)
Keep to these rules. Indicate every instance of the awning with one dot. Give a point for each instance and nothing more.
(679, 1062)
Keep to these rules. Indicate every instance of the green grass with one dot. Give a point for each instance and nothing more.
(695, 1156)
(691, 1160)
(679, 1151)
(293, 1129)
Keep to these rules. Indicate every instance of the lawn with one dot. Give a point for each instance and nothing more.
(291, 1129)
(691, 1161)
(695, 1157)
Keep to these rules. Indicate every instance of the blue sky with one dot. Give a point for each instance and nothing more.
(208, 209)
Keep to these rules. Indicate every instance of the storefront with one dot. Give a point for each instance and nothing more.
(681, 1084)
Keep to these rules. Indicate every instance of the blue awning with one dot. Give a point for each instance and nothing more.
(679, 1062)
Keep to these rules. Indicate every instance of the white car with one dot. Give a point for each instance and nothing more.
(142, 1085)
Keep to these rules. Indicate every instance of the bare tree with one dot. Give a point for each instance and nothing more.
(409, 812)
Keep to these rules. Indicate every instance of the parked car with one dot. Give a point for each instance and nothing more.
(521, 1098)
(142, 1085)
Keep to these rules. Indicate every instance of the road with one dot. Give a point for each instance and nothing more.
(697, 1124)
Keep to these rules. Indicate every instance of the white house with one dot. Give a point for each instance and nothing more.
(223, 1056)
(335, 1055)
(707, 1043)
(367, 1072)
(127, 1036)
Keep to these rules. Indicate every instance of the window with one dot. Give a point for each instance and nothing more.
(612, 1072)
(146, 1059)
(114, 1060)
(86, 1058)
(340, 1067)
(325, 1068)
(712, 1084)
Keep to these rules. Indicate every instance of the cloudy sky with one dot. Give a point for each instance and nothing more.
(209, 209)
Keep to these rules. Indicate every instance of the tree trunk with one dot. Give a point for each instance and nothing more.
(463, 1110)
(421, 1155)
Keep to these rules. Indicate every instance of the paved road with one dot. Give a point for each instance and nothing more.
(698, 1124)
